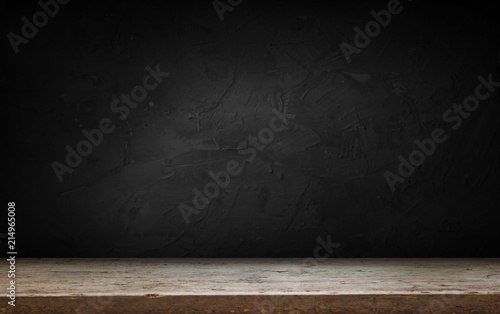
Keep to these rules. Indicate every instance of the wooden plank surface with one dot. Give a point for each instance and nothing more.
(257, 285)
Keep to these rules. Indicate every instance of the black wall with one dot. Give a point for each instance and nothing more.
(323, 176)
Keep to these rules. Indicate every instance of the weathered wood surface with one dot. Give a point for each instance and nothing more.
(256, 285)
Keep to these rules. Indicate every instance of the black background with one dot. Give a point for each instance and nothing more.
(322, 177)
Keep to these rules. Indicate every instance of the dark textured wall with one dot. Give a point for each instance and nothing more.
(324, 175)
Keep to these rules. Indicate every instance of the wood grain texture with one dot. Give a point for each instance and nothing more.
(257, 285)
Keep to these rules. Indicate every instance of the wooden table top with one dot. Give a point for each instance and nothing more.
(257, 284)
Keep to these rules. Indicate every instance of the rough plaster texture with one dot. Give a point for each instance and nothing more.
(322, 176)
